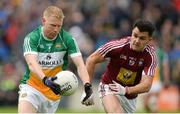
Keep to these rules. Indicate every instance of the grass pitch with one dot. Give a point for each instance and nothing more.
(13, 109)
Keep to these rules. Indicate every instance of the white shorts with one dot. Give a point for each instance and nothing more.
(37, 99)
(128, 105)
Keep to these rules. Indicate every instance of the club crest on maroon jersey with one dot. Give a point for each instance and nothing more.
(131, 62)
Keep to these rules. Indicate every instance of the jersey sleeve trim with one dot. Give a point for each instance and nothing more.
(111, 46)
(151, 69)
(75, 54)
(27, 44)
(32, 52)
(76, 45)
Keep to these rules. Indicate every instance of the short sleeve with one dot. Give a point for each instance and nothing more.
(73, 49)
(150, 64)
(30, 45)
(106, 50)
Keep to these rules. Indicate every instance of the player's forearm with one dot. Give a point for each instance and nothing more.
(81, 69)
(36, 69)
(83, 74)
(91, 61)
(34, 66)
(140, 88)
(90, 68)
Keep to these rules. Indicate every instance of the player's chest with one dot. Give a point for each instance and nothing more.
(55, 46)
(130, 61)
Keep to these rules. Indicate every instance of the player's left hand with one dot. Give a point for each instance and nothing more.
(87, 96)
(117, 88)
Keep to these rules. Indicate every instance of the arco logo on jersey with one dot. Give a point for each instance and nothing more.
(51, 60)
(50, 63)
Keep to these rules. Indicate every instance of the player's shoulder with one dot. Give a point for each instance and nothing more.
(64, 34)
(150, 51)
(35, 34)
(150, 48)
(119, 41)
(114, 44)
(66, 37)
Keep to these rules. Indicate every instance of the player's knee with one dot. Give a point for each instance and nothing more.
(25, 107)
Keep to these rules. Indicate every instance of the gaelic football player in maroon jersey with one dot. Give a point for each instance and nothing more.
(130, 70)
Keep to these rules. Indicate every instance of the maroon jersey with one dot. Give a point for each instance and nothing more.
(127, 66)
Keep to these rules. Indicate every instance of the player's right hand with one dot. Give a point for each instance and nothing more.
(87, 96)
(117, 88)
(48, 81)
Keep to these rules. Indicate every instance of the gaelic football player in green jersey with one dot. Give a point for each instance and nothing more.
(46, 51)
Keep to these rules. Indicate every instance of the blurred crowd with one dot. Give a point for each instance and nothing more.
(91, 23)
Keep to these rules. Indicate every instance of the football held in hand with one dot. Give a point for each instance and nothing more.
(68, 82)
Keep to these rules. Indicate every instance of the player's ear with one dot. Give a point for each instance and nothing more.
(43, 20)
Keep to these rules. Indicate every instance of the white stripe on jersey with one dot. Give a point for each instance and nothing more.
(77, 47)
(151, 51)
(109, 44)
(112, 45)
(27, 47)
(25, 44)
(29, 44)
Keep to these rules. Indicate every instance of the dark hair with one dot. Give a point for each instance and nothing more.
(144, 26)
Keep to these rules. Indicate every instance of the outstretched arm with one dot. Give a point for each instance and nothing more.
(83, 74)
(143, 86)
(33, 65)
(87, 96)
(91, 61)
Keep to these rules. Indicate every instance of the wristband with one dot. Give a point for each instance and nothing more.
(127, 90)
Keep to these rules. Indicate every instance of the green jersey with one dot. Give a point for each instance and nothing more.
(52, 56)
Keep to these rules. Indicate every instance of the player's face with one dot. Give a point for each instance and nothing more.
(51, 26)
(139, 39)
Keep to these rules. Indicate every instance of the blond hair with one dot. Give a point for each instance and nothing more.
(54, 12)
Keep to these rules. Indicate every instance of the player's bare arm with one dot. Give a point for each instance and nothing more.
(31, 60)
(91, 61)
(87, 96)
(83, 74)
(36, 69)
(143, 86)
